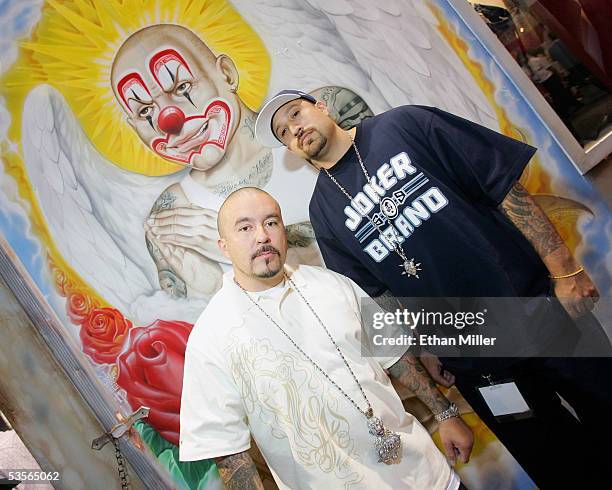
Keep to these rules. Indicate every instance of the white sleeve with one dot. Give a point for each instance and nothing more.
(213, 422)
(356, 296)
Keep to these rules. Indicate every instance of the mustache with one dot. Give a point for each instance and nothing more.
(263, 250)
(302, 132)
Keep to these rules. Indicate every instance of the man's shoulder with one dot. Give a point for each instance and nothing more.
(415, 113)
(215, 318)
(314, 207)
(314, 274)
(397, 122)
(310, 271)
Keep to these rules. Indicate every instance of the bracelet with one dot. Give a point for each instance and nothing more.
(451, 411)
(571, 274)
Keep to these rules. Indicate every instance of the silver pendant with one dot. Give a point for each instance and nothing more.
(388, 444)
(410, 268)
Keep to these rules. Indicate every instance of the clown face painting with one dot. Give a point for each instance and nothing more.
(179, 98)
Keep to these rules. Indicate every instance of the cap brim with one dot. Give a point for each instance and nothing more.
(263, 125)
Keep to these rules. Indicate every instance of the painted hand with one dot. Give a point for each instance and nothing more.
(577, 294)
(184, 272)
(192, 228)
(457, 439)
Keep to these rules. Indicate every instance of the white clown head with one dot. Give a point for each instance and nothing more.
(178, 96)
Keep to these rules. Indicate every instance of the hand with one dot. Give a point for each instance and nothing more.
(457, 439)
(436, 369)
(577, 294)
(183, 272)
(191, 227)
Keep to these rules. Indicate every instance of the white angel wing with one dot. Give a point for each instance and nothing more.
(94, 210)
(389, 52)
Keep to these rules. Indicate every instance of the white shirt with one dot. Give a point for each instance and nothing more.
(243, 376)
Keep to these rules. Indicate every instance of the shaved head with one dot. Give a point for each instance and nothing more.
(225, 212)
(252, 236)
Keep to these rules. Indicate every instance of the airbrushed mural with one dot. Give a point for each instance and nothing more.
(124, 124)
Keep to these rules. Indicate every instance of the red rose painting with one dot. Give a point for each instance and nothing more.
(151, 371)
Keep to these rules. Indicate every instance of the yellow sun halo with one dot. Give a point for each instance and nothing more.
(73, 46)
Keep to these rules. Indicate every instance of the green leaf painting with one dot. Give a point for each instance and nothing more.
(194, 475)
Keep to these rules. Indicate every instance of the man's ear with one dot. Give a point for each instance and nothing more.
(222, 244)
(320, 105)
(226, 67)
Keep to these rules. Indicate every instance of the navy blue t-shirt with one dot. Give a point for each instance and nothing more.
(441, 178)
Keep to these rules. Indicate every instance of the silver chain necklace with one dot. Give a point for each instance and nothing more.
(410, 266)
(387, 443)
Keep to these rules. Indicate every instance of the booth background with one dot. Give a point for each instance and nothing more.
(77, 183)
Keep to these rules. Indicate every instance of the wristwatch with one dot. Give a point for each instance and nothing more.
(451, 411)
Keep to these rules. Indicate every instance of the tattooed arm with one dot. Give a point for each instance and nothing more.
(185, 265)
(456, 436)
(345, 107)
(576, 293)
(238, 472)
(300, 234)
(410, 373)
(303, 248)
(169, 281)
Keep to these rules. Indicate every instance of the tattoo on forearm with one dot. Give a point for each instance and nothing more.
(346, 107)
(529, 218)
(169, 281)
(172, 284)
(300, 234)
(387, 301)
(410, 373)
(164, 201)
(238, 472)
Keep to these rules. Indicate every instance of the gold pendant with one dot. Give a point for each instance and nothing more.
(410, 268)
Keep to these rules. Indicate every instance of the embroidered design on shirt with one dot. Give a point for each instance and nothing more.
(297, 404)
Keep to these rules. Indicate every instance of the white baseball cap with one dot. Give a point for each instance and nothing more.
(263, 125)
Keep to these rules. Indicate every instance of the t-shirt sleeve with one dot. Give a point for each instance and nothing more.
(483, 163)
(356, 296)
(338, 259)
(212, 419)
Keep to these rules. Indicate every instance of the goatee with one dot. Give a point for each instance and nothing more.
(316, 145)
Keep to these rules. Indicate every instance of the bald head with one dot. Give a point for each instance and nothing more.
(237, 201)
(136, 49)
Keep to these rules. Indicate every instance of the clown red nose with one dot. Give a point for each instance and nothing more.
(171, 120)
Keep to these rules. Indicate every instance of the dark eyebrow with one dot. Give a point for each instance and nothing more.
(248, 220)
(241, 220)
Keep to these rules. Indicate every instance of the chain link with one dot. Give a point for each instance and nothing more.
(367, 413)
(121, 467)
(396, 245)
